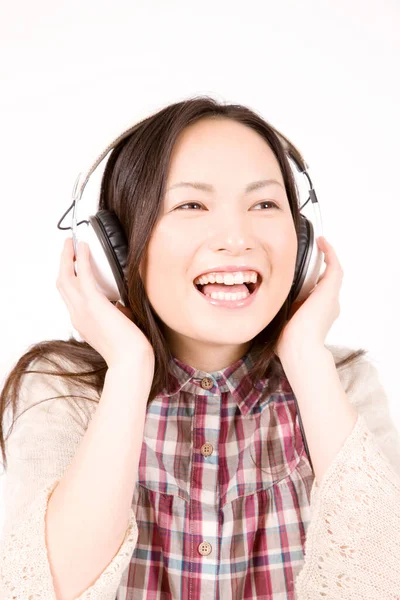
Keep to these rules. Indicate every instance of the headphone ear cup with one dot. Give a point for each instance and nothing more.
(109, 252)
(308, 262)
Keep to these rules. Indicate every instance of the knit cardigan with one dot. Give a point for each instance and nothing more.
(352, 548)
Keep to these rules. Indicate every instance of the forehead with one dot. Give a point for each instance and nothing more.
(211, 147)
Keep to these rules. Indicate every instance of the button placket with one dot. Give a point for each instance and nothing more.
(207, 494)
(207, 448)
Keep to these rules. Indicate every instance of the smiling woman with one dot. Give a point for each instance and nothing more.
(208, 433)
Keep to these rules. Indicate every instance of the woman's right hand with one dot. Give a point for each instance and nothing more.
(107, 328)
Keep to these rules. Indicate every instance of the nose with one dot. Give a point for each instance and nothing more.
(233, 236)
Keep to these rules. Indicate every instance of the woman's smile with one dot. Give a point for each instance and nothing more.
(243, 302)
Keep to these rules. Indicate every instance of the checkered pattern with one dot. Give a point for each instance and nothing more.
(230, 525)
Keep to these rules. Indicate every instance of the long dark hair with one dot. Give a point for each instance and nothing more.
(132, 186)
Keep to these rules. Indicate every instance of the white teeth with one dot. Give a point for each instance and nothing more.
(228, 278)
(228, 296)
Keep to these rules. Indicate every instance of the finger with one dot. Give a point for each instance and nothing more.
(66, 270)
(85, 274)
(66, 280)
(328, 250)
(330, 257)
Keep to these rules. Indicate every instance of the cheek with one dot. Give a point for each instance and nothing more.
(165, 266)
(283, 259)
(167, 245)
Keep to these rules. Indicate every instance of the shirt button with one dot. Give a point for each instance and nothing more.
(206, 449)
(207, 383)
(204, 548)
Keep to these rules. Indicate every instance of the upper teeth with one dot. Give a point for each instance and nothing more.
(227, 278)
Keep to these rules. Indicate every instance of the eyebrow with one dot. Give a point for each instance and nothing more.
(206, 187)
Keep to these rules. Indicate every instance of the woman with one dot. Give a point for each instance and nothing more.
(179, 470)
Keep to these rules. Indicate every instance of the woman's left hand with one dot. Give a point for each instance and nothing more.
(310, 320)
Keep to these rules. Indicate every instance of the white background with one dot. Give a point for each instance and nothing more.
(75, 74)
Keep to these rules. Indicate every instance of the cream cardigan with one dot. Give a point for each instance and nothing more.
(352, 547)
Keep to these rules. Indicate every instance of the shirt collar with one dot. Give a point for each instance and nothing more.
(233, 379)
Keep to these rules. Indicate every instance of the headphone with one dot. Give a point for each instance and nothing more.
(109, 247)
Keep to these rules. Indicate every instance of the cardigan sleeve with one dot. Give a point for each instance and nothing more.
(41, 445)
(352, 547)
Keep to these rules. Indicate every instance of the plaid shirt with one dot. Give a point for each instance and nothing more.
(222, 500)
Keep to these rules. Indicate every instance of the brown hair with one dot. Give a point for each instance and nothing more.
(132, 186)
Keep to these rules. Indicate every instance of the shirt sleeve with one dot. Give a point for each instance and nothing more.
(352, 547)
(41, 445)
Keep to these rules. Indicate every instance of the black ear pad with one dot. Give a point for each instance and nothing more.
(305, 243)
(114, 243)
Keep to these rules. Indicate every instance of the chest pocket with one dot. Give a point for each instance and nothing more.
(166, 455)
(270, 447)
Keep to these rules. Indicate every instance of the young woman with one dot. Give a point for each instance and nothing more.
(162, 456)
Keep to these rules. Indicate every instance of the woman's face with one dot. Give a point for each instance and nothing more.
(225, 226)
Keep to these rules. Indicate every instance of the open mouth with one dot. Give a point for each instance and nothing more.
(252, 287)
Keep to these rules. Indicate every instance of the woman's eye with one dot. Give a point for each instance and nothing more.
(198, 204)
(268, 202)
(188, 204)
